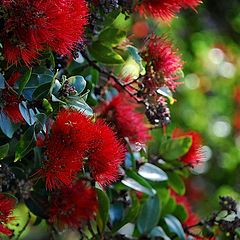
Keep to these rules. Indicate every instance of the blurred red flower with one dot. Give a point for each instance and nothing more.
(6, 208)
(163, 63)
(32, 26)
(71, 206)
(195, 154)
(164, 9)
(121, 113)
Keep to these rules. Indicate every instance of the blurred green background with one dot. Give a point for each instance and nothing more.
(209, 101)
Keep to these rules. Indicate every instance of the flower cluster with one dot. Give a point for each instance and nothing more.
(164, 64)
(121, 113)
(73, 139)
(6, 207)
(71, 206)
(33, 26)
(165, 9)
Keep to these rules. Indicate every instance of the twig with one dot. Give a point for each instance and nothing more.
(110, 75)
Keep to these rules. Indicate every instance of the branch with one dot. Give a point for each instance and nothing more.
(110, 75)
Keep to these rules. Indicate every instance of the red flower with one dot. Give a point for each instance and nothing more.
(124, 118)
(65, 148)
(192, 218)
(106, 155)
(71, 206)
(32, 26)
(74, 137)
(163, 63)
(6, 207)
(195, 153)
(11, 106)
(164, 9)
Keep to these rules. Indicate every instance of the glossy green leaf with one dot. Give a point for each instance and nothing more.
(159, 232)
(172, 149)
(2, 82)
(176, 182)
(175, 226)
(6, 125)
(131, 214)
(103, 209)
(152, 172)
(80, 105)
(78, 82)
(24, 80)
(25, 144)
(105, 54)
(138, 183)
(112, 36)
(180, 213)
(4, 150)
(27, 113)
(41, 91)
(137, 58)
(150, 215)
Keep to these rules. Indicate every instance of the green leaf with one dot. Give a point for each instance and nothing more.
(166, 92)
(138, 183)
(25, 144)
(6, 125)
(176, 183)
(103, 209)
(169, 207)
(2, 82)
(112, 36)
(4, 150)
(180, 213)
(78, 82)
(159, 232)
(175, 226)
(24, 80)
(27, 113)
(172, 149)
(105, 54)
(41, 91)
(131, 215)
(152, 172)
(137, 58)
(80, 105)
(149, 215)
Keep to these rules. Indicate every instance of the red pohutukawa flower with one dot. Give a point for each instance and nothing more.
(6, 207)
(106, 155)
(195, 154)
(32, 26)
(70, 207)
(65, 148)
(191, 218)
(121, 113)
(163, 63)
(73, 138)
(165, 9)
